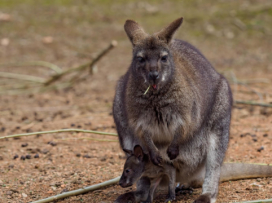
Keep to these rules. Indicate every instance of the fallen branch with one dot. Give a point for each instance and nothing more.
(59, 131)
(88, 138)
(252, 103)
(36, 63)
(81, 67)
(79, 191)
(259, 201)
(22, 77)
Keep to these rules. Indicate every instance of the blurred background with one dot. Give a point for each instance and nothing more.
(235, 36)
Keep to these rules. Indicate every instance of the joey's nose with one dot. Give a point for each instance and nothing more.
(153, 75)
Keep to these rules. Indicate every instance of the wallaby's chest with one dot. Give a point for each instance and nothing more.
(158, 118)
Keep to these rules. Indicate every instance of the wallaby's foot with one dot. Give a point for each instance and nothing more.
(173, 151)
(128, 197)
(170, 198)
(156, 158)
(183, 190)
(205, 198)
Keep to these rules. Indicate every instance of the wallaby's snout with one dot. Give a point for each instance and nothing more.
(153, 77)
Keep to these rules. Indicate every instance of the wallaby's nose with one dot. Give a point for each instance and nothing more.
(153, 75)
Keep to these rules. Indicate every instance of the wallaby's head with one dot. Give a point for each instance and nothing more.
(152, 63)
(134, 166)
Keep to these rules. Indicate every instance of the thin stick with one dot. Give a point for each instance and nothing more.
(259, 201)
(252, 103)
(79, 191)
(36, 63)
(81, 67)
(87, 138)
(146, 90)
(58, 131)
(22, 77)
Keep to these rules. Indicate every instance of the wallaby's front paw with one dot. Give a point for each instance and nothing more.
(156, 158)
(173, 151)
(203, 199)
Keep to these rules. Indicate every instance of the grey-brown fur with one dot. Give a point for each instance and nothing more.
(185, 116)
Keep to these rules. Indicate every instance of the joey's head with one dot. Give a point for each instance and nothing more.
(152, 63)
(134, 166)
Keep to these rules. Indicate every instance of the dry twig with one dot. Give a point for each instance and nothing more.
(252, 103)
(81, 67)
(79, 191)
(59, 131)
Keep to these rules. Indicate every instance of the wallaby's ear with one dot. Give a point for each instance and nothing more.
(128, 152)
(134, 32)
(167, 33)
(138, 152)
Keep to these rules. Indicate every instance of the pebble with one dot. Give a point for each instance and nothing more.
(78, 155)
(265, 135)
(28, 156)
(16, 156)
(36, 156)
(45, 151)
(24, 145)
(52, 143)
(87, 156)
(9, 192)
(64, 190)
(260, 149)
(24, 195)
(23, 157)
(255, 139)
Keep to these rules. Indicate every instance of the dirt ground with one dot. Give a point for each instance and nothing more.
(236, 36)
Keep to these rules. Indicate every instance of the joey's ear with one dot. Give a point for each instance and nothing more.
(167, 33)
(128, 152)
(138, 152)
(134, 32)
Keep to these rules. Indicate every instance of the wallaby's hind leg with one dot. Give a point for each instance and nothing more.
(218, 143)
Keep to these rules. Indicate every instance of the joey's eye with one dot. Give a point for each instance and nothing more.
(127, 170)
(164, 58)
(140, 59)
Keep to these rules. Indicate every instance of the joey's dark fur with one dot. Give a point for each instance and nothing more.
(184, 118)
(138, 167)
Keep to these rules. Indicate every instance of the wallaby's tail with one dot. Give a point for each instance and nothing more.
(237, 171)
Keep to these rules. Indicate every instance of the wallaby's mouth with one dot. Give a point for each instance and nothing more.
(154, 86)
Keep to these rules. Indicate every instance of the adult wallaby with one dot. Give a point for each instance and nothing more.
(185, 114)
(139, 167)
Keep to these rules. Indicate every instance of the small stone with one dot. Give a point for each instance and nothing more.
(9, 192)
(16, 156)
(87, 156)
(103, 159)
(36, 156)
(28, 156)
(24, 145)
(79, 126)
(260, 149)
(2, 129)
(11, 166)
(265, 135)
(64, 190)
(23, 157)
(73, 125)
(255, 139)
(24, 195)
(45, 151)
(78, 155)
(52, 143)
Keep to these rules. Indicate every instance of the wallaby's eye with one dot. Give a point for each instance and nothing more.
(140, 59)
(164, 58)
(127, 170)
